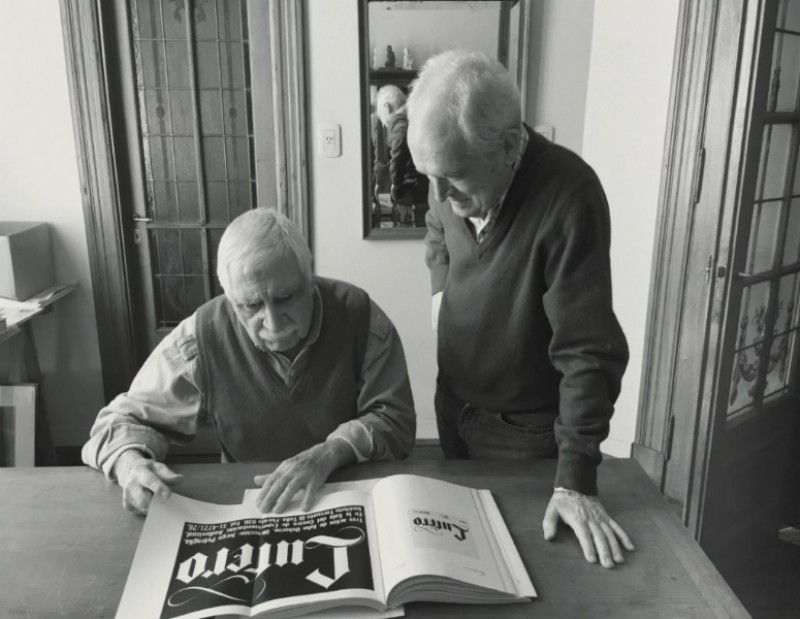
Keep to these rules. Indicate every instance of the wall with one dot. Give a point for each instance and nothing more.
(612, 110)
(393, 272)
(39, 182)
(432, 27)
(626, 117)
(558, 70)
(600, 75)
(396, 275)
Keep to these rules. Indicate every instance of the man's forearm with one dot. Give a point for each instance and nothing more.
(336, 453)
(113, 433)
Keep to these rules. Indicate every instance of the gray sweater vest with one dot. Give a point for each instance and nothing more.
(257, 416)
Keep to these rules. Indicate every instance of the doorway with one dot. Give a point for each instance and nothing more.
(187, 113)
(720, 399)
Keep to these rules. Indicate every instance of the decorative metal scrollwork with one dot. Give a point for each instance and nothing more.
(747, 371)
(199, 9)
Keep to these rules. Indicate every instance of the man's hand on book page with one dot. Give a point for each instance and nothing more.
(140, 478)
(304, 473)
(597, 532)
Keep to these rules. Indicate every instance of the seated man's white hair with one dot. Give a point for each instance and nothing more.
(476, 92)
(392, 95)
(261, 236)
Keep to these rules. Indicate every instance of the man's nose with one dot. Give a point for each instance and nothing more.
(441, 188)
(271, 316)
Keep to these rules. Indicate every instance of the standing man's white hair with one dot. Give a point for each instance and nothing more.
(479, 94)
(261, 236)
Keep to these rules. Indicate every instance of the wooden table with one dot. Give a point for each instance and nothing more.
(66, 544)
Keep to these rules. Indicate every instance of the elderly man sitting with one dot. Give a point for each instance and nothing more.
(285, 365)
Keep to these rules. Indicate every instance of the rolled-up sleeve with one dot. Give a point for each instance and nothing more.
(386, 425)
(162, 405)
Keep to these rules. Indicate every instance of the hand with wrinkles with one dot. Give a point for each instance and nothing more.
(141, 478)
(597, 532)
(303, 473)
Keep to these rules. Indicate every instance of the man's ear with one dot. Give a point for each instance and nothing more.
(511, 141)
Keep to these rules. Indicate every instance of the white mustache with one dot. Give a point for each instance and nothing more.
(271, 335)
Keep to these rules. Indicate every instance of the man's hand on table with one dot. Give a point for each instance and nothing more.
(597, 532)
(304, 473)
(141, 478)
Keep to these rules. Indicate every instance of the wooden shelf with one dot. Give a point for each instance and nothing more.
(398, 77)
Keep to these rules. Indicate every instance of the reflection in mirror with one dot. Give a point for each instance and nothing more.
(397, 37)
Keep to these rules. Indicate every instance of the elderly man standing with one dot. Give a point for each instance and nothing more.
(530, 353)
(285, 365)
(409, 187)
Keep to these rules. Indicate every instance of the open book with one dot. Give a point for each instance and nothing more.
(374, 544)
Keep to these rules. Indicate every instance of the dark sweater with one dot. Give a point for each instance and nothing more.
(411, 186)
(526, 322)
(256, 415)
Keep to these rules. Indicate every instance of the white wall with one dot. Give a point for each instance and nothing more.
(39, 182)
(393, 272)
(600, 75)
(432, 27)
(612, 110)
(626, 117)
(558, 69)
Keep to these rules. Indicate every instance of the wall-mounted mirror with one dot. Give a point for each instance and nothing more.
(397, 37)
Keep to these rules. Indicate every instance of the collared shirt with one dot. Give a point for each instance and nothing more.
(165, 397)
(482, 225)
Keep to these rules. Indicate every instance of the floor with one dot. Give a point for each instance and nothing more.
(770, 586)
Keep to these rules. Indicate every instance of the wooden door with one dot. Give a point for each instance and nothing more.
(749, 396)
(195, 77)
(104, 92)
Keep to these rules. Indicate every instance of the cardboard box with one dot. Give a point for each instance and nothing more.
(26, 259)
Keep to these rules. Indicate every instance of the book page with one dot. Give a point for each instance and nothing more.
(197, 559)
(433, 528)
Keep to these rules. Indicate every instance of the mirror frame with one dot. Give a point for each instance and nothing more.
(370, 233)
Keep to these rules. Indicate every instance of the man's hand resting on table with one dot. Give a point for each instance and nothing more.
(303, 473)
(140, 478)
(597, 532)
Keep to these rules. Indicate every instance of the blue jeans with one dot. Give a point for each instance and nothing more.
(466, 431)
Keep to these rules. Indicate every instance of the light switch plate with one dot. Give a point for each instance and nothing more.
(545, 131)
(330, 139)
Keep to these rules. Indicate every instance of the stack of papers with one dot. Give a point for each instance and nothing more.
(13, 312)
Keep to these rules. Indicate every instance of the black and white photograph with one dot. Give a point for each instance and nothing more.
(358, 309)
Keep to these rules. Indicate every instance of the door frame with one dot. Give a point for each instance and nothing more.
(670, 386)
(722, 440)
(111, 249)
(708, 141)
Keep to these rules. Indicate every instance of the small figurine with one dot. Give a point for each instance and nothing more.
(408, 61)
(390, 59)
(375, 57)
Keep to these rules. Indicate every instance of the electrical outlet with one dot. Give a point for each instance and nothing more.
(330, 138)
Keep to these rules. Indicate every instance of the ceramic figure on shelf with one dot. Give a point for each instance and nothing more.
(390, 59)
(408, 61)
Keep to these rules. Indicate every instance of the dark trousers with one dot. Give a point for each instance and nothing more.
(467, 431)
